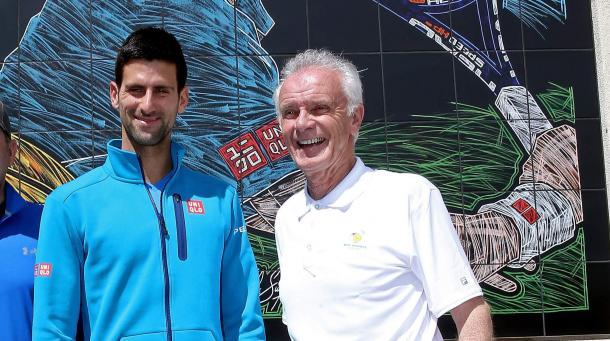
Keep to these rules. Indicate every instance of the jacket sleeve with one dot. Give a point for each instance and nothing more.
(240, 305)
(57, 273)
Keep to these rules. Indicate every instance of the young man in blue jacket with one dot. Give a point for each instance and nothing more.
(143, 248)
(19, 221)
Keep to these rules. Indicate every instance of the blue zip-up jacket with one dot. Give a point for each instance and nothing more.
(185, 274)
(18, 235)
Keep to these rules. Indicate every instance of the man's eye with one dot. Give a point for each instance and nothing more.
(289, 114)
(320, 109)
(135, 91)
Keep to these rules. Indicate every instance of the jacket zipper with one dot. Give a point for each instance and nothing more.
(180, 227)
(164, 234)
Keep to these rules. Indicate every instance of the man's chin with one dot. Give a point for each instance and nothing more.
(144, 140)
(309, 165)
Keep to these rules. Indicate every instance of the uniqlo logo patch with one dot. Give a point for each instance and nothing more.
(195, 206)
(270, 136)
(42, 270)
(243, 155)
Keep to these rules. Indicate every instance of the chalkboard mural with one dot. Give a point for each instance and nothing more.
(494, 101)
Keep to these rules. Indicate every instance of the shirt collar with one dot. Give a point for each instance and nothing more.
(340, 197)
(161, 183)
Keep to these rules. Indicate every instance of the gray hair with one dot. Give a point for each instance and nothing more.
(350, 80)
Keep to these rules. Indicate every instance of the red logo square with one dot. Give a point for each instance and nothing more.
(243, 155)
(521, 205)
(270, 136)
(195, 206)
(531, 215)
(42, 270)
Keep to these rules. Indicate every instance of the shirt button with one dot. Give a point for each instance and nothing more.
(308, 247)
(317, 206)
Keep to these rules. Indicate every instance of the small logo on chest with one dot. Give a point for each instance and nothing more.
(195, 206)
(356, 241)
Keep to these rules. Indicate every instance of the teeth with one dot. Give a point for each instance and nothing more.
(311, 141)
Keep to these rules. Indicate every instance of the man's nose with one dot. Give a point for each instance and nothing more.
(146, 101)
(304, 120)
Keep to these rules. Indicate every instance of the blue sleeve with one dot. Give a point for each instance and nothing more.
(240, 305)
(57, 285)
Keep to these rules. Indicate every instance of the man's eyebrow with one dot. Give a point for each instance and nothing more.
(286, 107)
(287, 103)
(138, 85)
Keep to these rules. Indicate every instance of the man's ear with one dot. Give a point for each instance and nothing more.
(184, 99)
(12, 149)
(357, 117)
(114, 94)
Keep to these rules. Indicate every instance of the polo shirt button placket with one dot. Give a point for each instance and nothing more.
(314, 232)
(308, 261)
(310, 256)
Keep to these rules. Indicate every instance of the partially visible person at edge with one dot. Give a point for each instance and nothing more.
(19, 221)
(143, 247)
(364, 254)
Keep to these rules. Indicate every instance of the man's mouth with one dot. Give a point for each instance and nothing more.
(147, 119)
(314, 141)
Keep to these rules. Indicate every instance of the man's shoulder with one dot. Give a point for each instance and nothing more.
(28, 206)
(25, 215)
(203, 180)
(84, 182)
(33, 208)
(402, 182)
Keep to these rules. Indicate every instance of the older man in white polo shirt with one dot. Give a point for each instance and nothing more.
(365, 254)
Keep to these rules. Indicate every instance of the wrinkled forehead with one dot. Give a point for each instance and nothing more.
(312, 82)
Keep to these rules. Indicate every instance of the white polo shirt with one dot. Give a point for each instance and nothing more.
(376, 259)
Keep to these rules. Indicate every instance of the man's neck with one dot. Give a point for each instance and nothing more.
(156, 160)
(155, 166)
(321, 183)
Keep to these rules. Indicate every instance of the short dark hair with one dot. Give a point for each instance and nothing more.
(151, 43)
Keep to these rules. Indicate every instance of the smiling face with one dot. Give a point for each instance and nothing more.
(315, 124)
(148, 101)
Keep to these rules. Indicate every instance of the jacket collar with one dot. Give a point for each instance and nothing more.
(125, 166)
